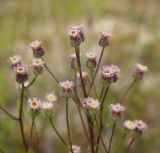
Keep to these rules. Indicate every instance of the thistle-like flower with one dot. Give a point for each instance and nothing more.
(129, 125)
(91, 60)
(84, 77)
(34, 106)
(66, 88)
(109, 74)
(75, 149)
(76, 35)
(104, 39)
(15, 60)
(116, 110)
(140, 126)
(48, 108)
(37, 48)
(51, 97)
(21, 72)
(91, 104)
(139, 71)
(73, 61)
(38, 65)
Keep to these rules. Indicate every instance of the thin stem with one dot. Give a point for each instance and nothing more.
(130, 144)
(127, 91)
(53, 126)
(20, 118)
(51, 73)
(68, 129)
(34, 79)
(7, 113)
(32, 125)
(111, 138)
(120, 143)
(100, 97)
(96, 70)
(77, 50)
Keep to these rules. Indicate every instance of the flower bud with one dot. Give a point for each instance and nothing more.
(15, 60)
(76, 35)
(91, 60)
(21, 72)
(73, 61)
(37, 48)
(66, 88)
(51, 97)
(104, 39)
(109, 74)
(48, 108)
(75, 149)
(129, 125)
(84, 77)
(140, 127)
(139, 71)
(38, 66)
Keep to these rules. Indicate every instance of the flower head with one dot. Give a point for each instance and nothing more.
(129, 125)
(91, 60)
(75, 149)
(104, 39)
(91, 104)
(34, 106)
(38, 65)
(48, 108)
(73, 61)
(51, 97)
(140, 126)
(84, 77)
(66, 88)
(37, 48)
(75, 32)
(109, 74)
(139, 71)
(15, 60)
(21, 72)
(116, 110)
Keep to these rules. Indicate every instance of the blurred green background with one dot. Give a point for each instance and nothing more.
(135, 25)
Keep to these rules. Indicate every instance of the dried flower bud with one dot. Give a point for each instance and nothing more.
(37, 48)
(48, 108)
(51, 97)
(38, 66)
(129, 125)
(104, 39)
(21, 72)
(91, 104)
(109, 74)
(91, 60)
(66, 88)
(15, 60)
(139, 71)
(73, 61)
(76, 35)
(140, 127)
(75, 149)
(116, 111)
(84, 77)
(34, 106)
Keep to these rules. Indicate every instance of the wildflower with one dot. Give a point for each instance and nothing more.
(116, 110)
(34, 106)
(48, 108)
(91, 103)
(140, 126)
(129, 125)
(37, 48)
(66, 88)
(139, 71)
(15, 60)
(84, 77)
(21, 72)
(75, 149)
(109, 74)
(51, 97)
(73, 61)
(91, 60)
(104, 39)
(38, 66)
(76, 35)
